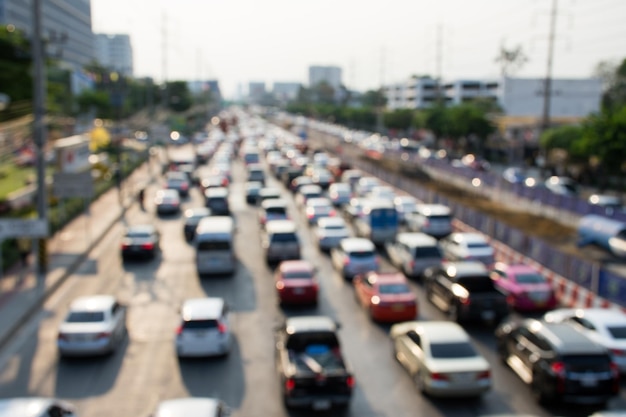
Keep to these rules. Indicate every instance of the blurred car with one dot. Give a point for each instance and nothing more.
(514, 175)
(36, 407)
(466, 246)
(253, 189)
(339, 193)
(167, 202)
(386, 296)
(192, 406)
(526, 288)
(273, 209)
(296, 282)
(351, 176)
(256, 173)
(268, 193)
(604, 326)
(432, 219)
(204, 328)
(298, 182)
(354, 209)
(179, 181)
(413, 253)
(383, 192)
(323, 178)
(216, 199)
(440, 358)
(306, 192)
(562, 186)
(316, 208)
(610, 203)
(404, 204)
(140, 241)
(192, 218)
(354, 256)
(329, 231)
(365, 184)
(280, 241)
(213, 181)
(558, 362)
(94, 325)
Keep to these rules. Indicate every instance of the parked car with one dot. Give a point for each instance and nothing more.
(94, 325)
(462, 246)
(386, 296)
(413, 253)
(329, 231)
(192, 406)
(192, 218)
(311, 367)
(465, 291)
(296, 283)
(558, 362)
(604, 326)
(526, 288)
(204, 328)
(140, 241)
(441, 359)
(167, 202)
(353, 256)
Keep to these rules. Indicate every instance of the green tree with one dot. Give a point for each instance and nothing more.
(398, 119)
(567, 138)
(614, 82)
(437, 120)
(179, 98)
(323, 93)
(604, 136)
(15, 74)
(468, 119)
(374, 98)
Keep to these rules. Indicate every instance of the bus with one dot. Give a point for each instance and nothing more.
(378, 222)
(214, 243)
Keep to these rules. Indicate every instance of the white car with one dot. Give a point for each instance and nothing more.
(462, 246)
(354, 256)
(204, 329)
(330, 231)
(94, 325)
(187, 407)
(316, 208)
(605, 326)
(340, 193)
(36, 407)
(404, 204)
(440, 358)
(382, 192)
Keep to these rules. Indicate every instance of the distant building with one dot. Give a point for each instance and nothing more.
(207, 87)
(329, 74)
(416, 93)
(256, 91)
(66, 27)
(115, 53)
(284, 91)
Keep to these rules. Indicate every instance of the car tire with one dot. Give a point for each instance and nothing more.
(453, 313)
(418, 379)
(538, 393)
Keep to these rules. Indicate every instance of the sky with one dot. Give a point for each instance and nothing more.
(374, 42)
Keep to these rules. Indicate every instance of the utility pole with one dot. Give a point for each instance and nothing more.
(547, 93)
(439, 59)
(39, 134)
(379, 109)
(164, 59)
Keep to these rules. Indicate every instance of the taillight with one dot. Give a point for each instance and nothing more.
(618, 352)
(558, 368)
(412, 264)
(62, 336)
(377, 260)
(350, 381)
(280, 285)
(179, 330)
(483, 375)
(290, 384)
(346, 261)
(332, 213)
(184, 186)
(465, 301)
(125, 246)
(436, 376)
(103, 335)
(615, 386)
(147, 246)
(222, 328)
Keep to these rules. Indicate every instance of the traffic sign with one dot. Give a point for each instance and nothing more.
(23, 228)
(67, 185)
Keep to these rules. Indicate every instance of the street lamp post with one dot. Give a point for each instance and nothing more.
(39, 133)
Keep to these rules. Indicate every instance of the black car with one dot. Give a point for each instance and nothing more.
(558, 362)
(140, 241)
(192, 218)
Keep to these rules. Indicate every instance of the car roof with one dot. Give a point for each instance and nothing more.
(436, 331)
(141, 228)
(565, 338)
(280, 226)
(197, 211)
(202, 308)
(331, 221)
(216, 192)
(28, 406)
(468, 237)
(515, 268)
(274, 202)
(386, 278)
(93, 303)
(413, 239)
(318, 201)
(310, 324)
(184, 407)
(433, 209)
(600, 317)
(310, 188)
(269, 191)
(167, 193)
(465, 268)
(295, 265)
(356, 244)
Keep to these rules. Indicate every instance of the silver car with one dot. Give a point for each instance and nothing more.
(187, 407)
(330, 231)
(354, 256)
(204, 329)
(94, 325)
(441, 359)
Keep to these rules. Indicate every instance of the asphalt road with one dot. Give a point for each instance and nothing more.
(131, 381)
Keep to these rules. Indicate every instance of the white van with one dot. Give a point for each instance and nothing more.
(214, 242)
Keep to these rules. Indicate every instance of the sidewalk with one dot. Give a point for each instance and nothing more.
(22, 294)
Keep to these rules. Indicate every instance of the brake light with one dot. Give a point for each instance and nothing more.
(332, 213)
(558, 368)
(377, 260)
(618, 352)
(483, 375)
(412, 264)
(280, 285)
(615, 386)
(465, 301)
(62, 336)
(125, 246)
(222, 328)
(179, 330)
(184, 186)
(148, 246)
(290, 384)
(436, 376)
(350, 381)
(346, 261)
(103, 335)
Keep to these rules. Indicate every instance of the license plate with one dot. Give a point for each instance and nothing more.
(298, 291)
(397, 307)
(588, 382)
(488, 315)
(321, 404)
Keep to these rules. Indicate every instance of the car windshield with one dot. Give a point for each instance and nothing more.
(452, 350)
(199, 324)
(284, 237)
(333, 227)
(85, 317)
(137, 234)
(362, 255)
(531, 278)
(213, 245)
(477, 284)
(478, 246)
(394, 289)
(618, 332)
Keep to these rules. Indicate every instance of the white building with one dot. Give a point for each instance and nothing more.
(328, 74)
(115, 52)
(256, 91)
(462, 91)
(416, 93)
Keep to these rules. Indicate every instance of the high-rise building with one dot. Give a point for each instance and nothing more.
(66, 27)
(115, 52)
(286, 91)
(256, 91)
(328, 74)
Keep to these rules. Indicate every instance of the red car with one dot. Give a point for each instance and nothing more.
(296, 282)
(525, 287)
(387, 296)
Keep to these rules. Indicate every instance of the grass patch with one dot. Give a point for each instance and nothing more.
(13, 177)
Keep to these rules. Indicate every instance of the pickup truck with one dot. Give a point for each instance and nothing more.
(465, 291)
(311, 368)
